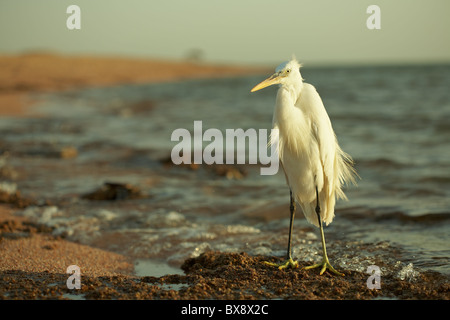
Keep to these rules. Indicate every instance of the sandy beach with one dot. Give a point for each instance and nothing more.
(33, 261)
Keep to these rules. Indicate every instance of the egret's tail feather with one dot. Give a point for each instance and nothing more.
(346, 173)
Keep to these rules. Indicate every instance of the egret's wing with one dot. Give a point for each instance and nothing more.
(337, 165)
(321, 131)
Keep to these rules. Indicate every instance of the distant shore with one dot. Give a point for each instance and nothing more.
(43, 72)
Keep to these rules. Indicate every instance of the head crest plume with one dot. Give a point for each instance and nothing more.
(294, 59)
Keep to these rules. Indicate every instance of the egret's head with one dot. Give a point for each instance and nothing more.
(287, 73)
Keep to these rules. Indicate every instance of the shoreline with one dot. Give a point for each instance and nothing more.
(25, 74)
(33, 266)
(34, 262)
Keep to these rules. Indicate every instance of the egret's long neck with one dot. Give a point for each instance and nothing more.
(287, 97)
(288, 118)
(294, 89)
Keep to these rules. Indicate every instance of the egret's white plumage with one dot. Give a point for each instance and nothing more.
(308, 149)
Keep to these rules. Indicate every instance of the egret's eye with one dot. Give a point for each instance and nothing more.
(288, 70)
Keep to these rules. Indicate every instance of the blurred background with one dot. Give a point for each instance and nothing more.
(250, 32)
(87, 116)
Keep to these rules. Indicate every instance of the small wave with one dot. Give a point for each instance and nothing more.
(425, 218)
(361, 213)
(434, 179)
(425, 193)
(442, 127)
(381, 162)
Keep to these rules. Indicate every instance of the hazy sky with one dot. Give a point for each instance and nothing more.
(244, 31)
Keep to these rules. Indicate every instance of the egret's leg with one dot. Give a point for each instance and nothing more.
(289, 261)
(325, 262)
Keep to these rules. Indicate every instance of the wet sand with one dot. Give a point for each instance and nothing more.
(33, 262)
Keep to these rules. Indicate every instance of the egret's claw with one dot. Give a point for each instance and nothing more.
(325, 264)
(289, 263)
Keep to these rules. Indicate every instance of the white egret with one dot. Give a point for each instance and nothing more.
(315, 166)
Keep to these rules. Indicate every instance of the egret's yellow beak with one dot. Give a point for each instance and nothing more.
(273, 79)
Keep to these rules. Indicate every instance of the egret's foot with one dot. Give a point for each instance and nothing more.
(325, 264)
(289, 263)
